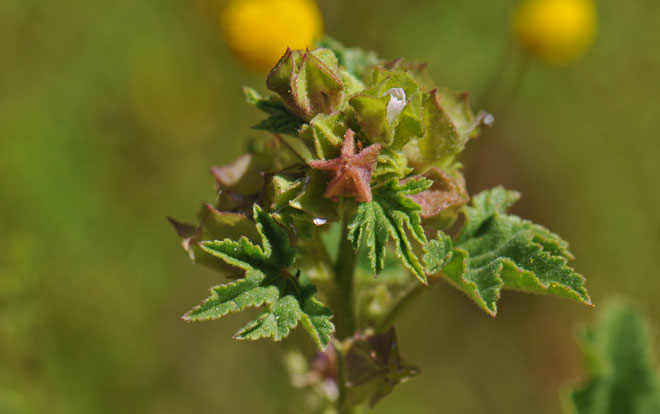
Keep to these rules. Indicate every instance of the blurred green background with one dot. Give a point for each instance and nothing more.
(111, 113)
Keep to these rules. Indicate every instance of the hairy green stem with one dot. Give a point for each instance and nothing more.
(321, 256)
(343, 406)
(344, 269)
(405, 297)
(344, 312)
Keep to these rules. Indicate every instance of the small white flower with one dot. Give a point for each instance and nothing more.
(396, 104)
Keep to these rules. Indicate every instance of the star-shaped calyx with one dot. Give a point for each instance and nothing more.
(352, 171)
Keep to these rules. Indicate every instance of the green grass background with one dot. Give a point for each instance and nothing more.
(92, 279)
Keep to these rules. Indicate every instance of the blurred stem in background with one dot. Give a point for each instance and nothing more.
(505, 83)
(554, 32)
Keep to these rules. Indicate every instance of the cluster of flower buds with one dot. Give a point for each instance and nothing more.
(343, 124)
(346, 123)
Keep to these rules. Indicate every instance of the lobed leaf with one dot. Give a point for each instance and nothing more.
(280, 120)
(391, 214)
(214, 224)
(392, 165)
(496, 251)
(288, 299)
(622, 375)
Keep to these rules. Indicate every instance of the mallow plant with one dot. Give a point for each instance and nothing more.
(351, 203)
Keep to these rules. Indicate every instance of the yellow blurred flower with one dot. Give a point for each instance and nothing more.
(556, 31)
(259, 31)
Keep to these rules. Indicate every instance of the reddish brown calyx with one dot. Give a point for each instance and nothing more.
(352, 171)
(447, 192)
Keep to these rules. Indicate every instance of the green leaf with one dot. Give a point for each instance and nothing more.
(213, 225)
(622, 375)
(280, 120)
(496, 251)
(392, 165)
(391, 214)
(438, 253)
(288, 299)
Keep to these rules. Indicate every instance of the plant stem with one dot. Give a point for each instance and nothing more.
(320, 254)
(342, 398)
(403, 299)
(410, 292)
(344, 268)
(345, 314)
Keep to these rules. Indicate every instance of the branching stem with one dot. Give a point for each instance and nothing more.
(406, 296)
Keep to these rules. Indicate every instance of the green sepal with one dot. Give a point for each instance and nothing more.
(281, 188)
(448, 125)
(324, 135)
(371, 109)
(418, 71)
(280, 120)
(622, 372)
(297, 199)
(308, 82)
(288, 299)
(311, 201)
(496, 251)
(391, 214)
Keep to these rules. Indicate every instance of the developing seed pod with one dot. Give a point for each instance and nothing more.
(308, 82)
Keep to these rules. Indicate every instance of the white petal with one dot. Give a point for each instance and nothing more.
(396, 104)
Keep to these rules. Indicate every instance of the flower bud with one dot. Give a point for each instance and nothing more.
(308, 82)
(390, 111)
